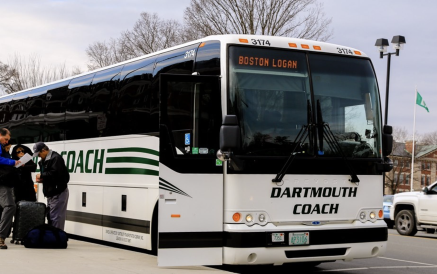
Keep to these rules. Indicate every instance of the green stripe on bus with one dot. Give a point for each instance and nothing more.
(134, 149)
(128, 170)
(137, 160)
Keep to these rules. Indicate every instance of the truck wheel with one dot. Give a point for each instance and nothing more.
(405, 223)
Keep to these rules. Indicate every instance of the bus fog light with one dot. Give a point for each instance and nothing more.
(262, 218)
(249, 218)
(363, 216)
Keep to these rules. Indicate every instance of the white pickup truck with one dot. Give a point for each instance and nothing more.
(413, 211)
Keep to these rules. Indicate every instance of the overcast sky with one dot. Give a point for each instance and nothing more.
(59, 31)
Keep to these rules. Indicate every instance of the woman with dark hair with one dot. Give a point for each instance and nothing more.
(24, 189)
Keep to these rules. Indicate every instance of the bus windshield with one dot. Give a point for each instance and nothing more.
(269, 91)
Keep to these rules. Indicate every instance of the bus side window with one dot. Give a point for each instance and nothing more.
(208, 58)
(102, 87)
(54, 118)
(180, 61)
(77, 124)
(130, 109)
(16, 124)
(194, 117)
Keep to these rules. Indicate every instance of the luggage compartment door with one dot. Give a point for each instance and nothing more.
(190, 215)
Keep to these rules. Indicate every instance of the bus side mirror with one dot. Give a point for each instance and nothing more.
(229, 134)
(387, 140)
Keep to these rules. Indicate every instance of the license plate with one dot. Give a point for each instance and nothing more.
(300, 238)
(277, 237)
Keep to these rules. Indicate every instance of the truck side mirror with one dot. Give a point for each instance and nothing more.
(425, 190)
(230, 134)
(387, 140)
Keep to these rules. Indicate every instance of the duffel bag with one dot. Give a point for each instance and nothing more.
(45, 236)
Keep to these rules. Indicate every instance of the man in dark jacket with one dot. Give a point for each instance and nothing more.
(54, 178)
(7, 173)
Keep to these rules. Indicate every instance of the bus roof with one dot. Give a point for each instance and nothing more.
(242, 39)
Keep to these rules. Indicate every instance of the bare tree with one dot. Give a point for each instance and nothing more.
(102, 54)
(30, 72)
(402, 160)
(6, 73)
(149, 34)
(429, 138)
(292, 18)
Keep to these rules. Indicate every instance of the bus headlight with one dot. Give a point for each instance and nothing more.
(249, 218)
(261, 218)
(371, 214)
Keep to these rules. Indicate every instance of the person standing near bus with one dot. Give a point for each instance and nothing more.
(7, 180)
(24, 189)
(54, 177)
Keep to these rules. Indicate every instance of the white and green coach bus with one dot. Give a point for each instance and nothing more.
(233, 149)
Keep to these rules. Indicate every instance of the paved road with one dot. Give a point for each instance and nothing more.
(416, 254)
(404, 255)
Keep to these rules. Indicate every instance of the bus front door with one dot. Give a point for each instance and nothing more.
(190, 214)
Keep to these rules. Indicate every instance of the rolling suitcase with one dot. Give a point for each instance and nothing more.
(27, 216)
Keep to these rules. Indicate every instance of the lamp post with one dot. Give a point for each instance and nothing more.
(398, 42)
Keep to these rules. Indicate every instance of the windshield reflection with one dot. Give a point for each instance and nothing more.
(271, 101)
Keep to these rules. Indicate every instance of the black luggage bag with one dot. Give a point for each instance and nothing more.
(27, 216)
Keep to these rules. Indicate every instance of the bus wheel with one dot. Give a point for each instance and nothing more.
(155, 230)
(405, 223)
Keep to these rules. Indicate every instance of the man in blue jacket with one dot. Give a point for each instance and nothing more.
(6, 190)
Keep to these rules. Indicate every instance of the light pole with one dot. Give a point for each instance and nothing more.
(398, 42)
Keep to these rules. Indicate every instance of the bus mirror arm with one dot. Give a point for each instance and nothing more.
(385, 166)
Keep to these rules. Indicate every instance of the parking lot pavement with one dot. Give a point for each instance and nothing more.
(83, 257)
(404, 255)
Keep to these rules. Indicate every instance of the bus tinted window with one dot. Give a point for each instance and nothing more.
(208, 59)
(179, 61)
(106, 75)
(77, 111)
(103, 85)
(348, 94)
(54, 118)
(130, 107)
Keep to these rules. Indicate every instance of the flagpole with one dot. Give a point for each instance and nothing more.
(414, 129)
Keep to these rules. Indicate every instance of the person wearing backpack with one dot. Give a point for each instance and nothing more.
(54, 177)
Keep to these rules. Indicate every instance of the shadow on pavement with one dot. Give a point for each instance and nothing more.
(286, 268)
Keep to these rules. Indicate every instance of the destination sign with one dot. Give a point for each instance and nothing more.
(266, 62)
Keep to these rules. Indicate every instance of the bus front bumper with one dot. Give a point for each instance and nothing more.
(254, 245)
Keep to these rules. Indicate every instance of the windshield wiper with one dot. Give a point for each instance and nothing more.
(325, 133)
(305, 131)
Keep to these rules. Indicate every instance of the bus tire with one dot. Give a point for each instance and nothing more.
(406, 223)
(154, 236)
